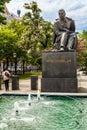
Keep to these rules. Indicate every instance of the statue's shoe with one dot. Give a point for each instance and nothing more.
(61, 49)
(69, 49)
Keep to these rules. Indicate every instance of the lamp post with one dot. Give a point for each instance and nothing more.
(15, 77)
(18, 12)
(15, 58)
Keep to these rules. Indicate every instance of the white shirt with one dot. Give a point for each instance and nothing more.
(4, 76)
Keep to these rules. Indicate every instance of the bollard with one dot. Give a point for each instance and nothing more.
(15, 82)
(34, 82)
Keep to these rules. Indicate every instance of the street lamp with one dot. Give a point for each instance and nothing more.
(18, 12)
(15, 58)
(15, 77)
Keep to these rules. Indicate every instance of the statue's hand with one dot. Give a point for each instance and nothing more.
(68, 31)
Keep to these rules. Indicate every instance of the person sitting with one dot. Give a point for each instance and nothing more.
(64, 36)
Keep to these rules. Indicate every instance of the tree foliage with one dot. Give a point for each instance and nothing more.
(28, 36)
(7, 42)
(17, 26)
(82, 51)
(37, 34)
(2, 10)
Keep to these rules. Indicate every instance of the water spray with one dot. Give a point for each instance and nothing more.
(38, 94)
(16, 108)
(29, 99)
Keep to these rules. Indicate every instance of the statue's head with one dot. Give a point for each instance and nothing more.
(61, 13)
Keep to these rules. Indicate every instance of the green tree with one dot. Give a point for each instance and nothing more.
(2, 10)
(32, 20)
(37, 34)
(8, 40)
(47, 32)
(8, 45)
(17, 26)
(82, 54)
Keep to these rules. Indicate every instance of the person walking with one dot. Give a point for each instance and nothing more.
(6, 75)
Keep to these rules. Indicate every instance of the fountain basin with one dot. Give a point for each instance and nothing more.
(51, 112)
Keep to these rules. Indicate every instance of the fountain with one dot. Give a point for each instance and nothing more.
(48, 113)
(29, 99)
(38, 94)
(16, 108)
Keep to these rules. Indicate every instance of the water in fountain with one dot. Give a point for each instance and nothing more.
(51, 113)
(80, 104)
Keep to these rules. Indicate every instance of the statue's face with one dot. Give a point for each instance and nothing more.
(61, 14)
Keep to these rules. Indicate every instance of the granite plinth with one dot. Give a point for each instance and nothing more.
(59, 85)
(59, 64)
(59, 72)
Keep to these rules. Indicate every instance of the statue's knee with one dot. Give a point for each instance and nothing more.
(64, 34)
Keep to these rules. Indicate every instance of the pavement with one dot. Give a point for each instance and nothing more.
(82, 83)
(25, 85)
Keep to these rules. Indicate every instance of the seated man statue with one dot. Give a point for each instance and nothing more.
(64, 37)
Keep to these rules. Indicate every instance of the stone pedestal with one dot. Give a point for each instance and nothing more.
(34, 82)
(59, 72)
(15, 82)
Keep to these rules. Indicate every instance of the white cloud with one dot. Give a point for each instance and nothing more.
(76, 9)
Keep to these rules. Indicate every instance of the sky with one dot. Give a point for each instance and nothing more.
(75, 9)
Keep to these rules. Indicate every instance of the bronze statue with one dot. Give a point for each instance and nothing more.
(64, 37)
